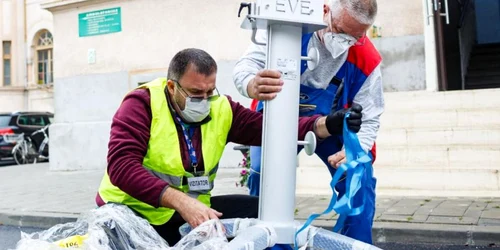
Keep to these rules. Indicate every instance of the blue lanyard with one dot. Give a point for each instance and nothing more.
(187, 138)
(359, 171)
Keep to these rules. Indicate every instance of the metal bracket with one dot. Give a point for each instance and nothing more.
(446, 14)
(427, 11)
(437, 7)
(254, 34)
(312, 58)
(309, 143)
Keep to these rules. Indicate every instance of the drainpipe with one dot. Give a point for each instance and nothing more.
(24, 69)
(431, 68)
(440, 48)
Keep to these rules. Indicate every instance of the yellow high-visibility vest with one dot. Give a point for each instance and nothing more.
(163, 158)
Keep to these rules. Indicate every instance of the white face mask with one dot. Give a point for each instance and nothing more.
(195, 111)
(338, 45)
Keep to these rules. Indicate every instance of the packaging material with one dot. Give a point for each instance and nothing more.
(210, 234)
(246, 233)
(116, 227)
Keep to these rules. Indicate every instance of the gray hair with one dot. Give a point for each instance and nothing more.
(364, 11)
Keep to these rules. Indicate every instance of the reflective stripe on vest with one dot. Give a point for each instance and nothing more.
(163, 158)
(177, 181)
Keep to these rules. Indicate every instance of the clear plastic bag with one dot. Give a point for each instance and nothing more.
(116, 227)
(210, 234)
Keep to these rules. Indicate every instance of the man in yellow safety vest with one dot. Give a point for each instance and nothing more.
(167, 138)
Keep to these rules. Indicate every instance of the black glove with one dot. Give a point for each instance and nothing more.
(335, 121)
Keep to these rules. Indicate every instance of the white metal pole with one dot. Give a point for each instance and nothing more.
(431, 68)
(279, 139)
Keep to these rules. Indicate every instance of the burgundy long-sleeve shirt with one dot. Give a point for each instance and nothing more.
(130, 131)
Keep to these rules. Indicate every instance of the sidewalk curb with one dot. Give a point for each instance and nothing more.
(436, 233)
(451, 234)
(43, 220)
(382, 231)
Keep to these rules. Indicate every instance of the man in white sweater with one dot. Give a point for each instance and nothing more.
(347, 77)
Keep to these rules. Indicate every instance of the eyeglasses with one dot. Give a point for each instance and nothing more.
(345, 38)
(198, 98)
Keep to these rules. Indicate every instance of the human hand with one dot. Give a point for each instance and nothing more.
(337, 159)
(265, 85)
(335, 121)
(194, 212)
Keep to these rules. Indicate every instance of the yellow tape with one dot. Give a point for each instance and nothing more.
(72, 242)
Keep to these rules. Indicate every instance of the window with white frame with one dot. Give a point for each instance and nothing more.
(7, 67)
(44, 57)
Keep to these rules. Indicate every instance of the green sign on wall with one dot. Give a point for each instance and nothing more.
(99, 22)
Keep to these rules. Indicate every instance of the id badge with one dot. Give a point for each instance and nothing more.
(200, 183)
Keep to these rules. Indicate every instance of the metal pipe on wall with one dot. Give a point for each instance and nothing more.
(440, 49)
(431, 75)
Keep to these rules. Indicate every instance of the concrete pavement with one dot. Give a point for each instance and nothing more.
(31, 195)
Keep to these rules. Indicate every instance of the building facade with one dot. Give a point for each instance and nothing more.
(26, 64)
(98, 62)
(105, 48)
(27, 58)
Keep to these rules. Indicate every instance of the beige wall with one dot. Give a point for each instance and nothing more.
(169, 21)
(11, 99)
(153, 31)
(400, 17)
(41, 100)
(8, 32)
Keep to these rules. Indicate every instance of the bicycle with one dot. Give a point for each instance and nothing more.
(25, 151)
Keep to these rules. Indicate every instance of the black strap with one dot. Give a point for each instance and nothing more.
(340, 83)
(336, 81)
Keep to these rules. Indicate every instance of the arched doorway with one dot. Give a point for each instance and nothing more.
(44, 57)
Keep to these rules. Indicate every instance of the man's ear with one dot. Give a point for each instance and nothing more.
(326, 15)
(170, 86)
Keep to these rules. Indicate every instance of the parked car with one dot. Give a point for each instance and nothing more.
(22, 122)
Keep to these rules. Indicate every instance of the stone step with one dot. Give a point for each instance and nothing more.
(452, 118)
(421, 101)
(440, 137)
(415, 181)
(445, 143)
(445, 157)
